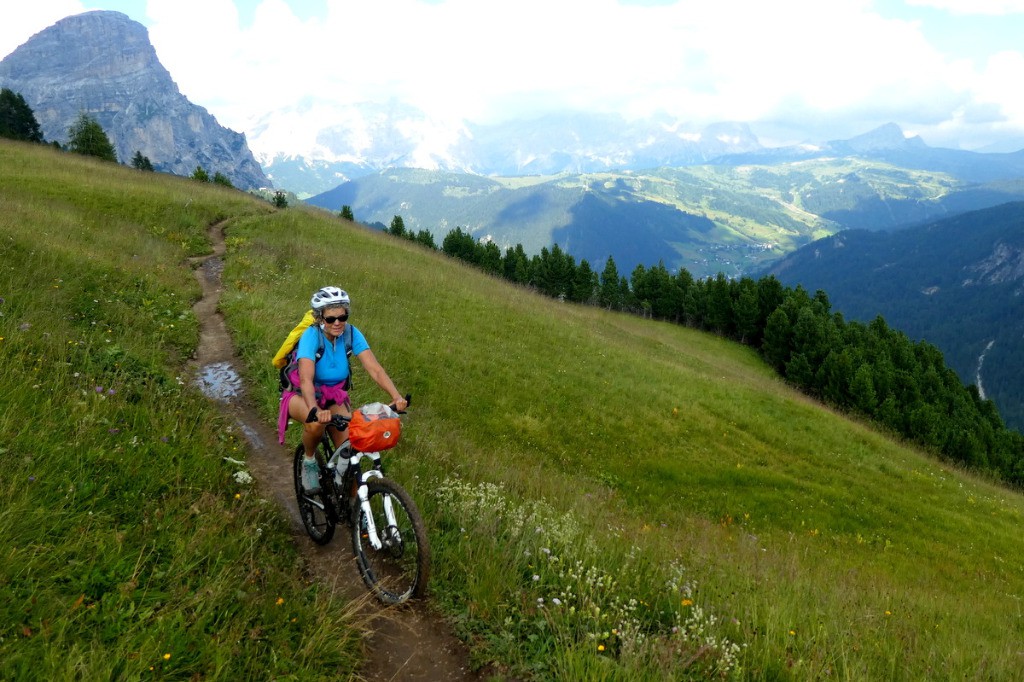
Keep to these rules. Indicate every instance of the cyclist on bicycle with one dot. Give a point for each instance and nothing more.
(322, 382)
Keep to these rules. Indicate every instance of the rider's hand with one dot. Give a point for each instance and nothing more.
(323, 416)
(401, 403)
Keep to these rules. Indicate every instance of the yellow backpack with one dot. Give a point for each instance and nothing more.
(286, 361)
(281, 359)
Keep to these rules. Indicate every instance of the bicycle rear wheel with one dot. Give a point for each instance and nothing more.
(401, 567)
(316, 509)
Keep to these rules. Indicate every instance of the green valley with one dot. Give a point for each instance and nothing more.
(734, 219)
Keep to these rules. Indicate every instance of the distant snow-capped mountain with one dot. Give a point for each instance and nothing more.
(329, 144)
(362, 133)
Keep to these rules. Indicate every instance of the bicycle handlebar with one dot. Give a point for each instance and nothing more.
(340, 421)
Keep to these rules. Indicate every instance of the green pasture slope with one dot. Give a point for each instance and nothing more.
(127, 550)
(608, 498)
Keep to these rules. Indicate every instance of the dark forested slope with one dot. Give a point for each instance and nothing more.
(957, 283)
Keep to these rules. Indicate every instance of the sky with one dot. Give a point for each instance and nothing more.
(950, 71)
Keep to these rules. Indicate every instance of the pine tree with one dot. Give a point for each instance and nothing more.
(516, 265)
(657, 289)
(397, 226)
(140, 162)
(747, 313)
(86, 137)
(834, 377)
(719, 310)
(770, 295)
(778, 334)
(17, 120)
(683, 282)
(641, 293)
(562, 272)
(862, 390)
(584, 284)
(424, 237)
(609, 295)
(626, 299)
(459, 244)
(490, 259)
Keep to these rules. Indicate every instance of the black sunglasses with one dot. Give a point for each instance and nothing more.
(339, 318)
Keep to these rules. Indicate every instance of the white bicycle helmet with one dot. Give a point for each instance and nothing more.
(329, 297)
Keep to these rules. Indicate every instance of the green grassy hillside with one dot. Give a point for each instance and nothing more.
(127, 550)
(608, 498)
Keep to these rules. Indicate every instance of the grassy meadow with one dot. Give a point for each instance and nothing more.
(127, 550)
(608, 498)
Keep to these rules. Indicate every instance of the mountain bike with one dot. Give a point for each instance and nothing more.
(388, 536)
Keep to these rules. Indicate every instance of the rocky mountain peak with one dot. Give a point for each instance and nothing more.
(99, 44)
(887, 137)
(103, 64)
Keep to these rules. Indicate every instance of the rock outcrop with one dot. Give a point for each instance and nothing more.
(102, 64)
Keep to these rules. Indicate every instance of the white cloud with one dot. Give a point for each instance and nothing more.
(838, 66)
(728, 59)
(991, 91)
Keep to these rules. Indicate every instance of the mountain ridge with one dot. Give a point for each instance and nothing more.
(372, 138)
(707, 219)
(575, 142)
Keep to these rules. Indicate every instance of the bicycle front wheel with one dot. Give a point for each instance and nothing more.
(399, 569)
(316, 508)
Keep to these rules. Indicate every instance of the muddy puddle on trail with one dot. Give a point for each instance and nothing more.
(219, 381)
(411, 642)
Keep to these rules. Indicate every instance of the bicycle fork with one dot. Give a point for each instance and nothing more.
(389, 514)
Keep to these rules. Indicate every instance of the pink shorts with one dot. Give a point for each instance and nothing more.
(325, 397)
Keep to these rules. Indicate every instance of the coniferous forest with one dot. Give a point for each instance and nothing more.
(955, 282)
(869, 370)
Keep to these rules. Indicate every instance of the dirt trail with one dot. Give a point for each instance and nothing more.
(406, 643)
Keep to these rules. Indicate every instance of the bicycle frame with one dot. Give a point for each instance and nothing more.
(354, 467)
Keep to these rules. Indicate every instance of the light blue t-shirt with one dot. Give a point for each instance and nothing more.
(332, 368)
